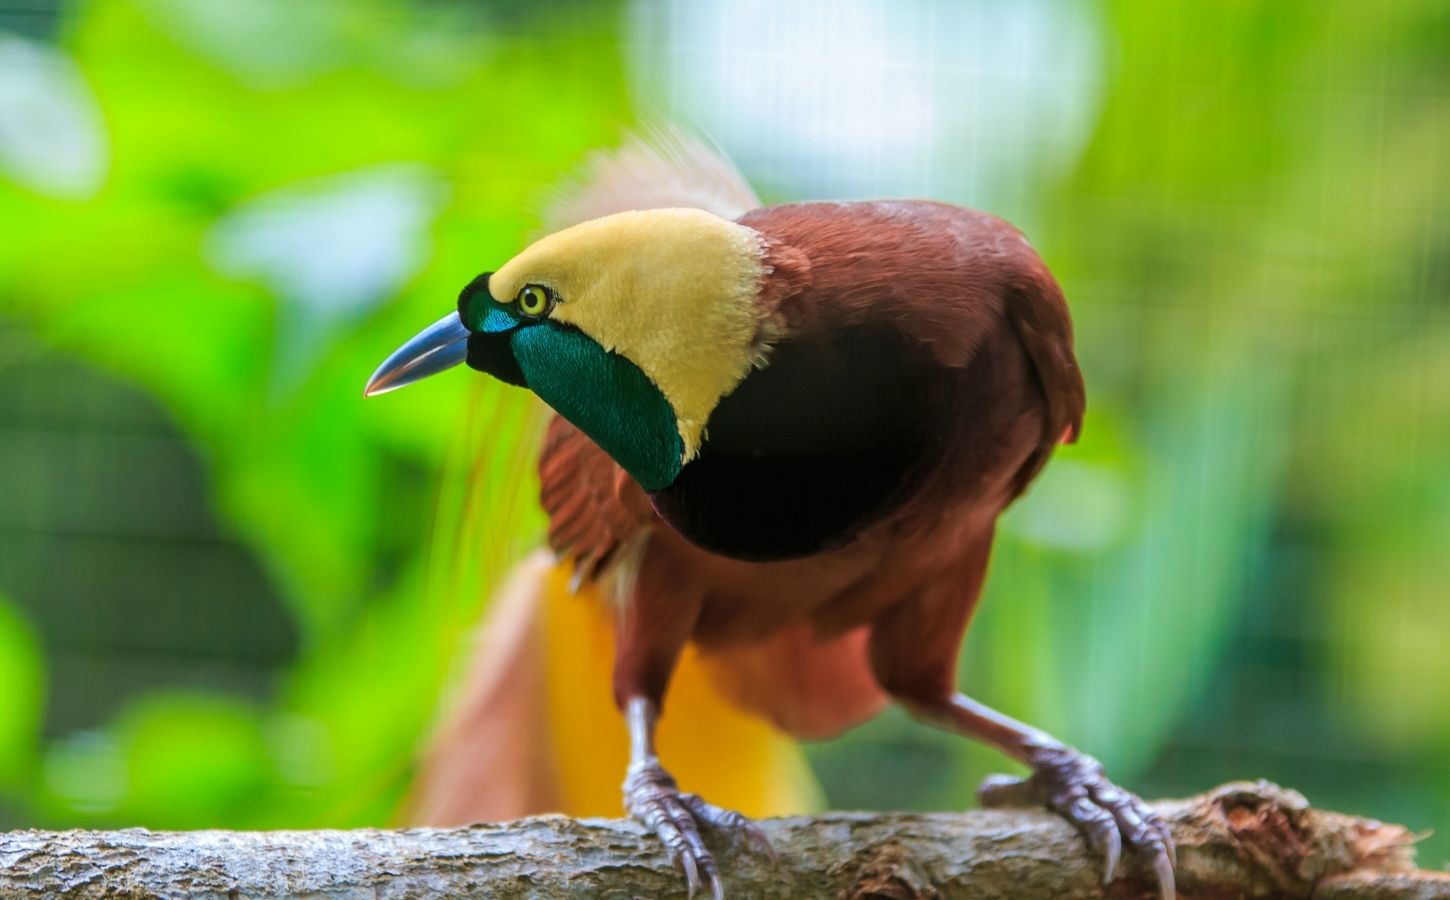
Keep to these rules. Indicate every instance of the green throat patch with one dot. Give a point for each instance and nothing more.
(606, 396)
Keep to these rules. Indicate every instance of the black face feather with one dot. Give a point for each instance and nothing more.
(493, 352)
(471, 290)
(808, 451)
(489, 351)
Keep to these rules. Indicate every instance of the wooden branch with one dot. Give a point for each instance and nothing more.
(1240, 840)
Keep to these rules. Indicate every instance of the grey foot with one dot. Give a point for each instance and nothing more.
(1073, 785)
(653, 798)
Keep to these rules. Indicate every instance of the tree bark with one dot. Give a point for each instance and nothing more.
(1239, 840)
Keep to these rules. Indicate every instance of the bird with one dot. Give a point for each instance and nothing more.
(781, 439)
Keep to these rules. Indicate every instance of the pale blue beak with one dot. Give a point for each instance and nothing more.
(442, 345)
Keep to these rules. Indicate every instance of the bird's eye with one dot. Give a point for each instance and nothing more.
(535, 300)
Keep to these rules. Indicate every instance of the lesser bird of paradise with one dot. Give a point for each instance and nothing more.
(783, 436)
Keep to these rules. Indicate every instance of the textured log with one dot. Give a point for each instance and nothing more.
(1240, 840)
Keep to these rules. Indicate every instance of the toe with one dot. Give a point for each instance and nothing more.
(1163, 871)
(732, 823)
(1094, 822)
(1141, 829)
(670, 835)
(717, 887)
(1125, 812)
(1160, 827)
(698, 860)
(1111, 819)
(685, 860)
(1007, 792)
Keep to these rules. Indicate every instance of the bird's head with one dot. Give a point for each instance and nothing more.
(631, 326)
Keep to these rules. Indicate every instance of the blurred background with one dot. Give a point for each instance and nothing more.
(232, 593)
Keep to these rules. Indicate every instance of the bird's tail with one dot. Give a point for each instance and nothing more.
(534, 728)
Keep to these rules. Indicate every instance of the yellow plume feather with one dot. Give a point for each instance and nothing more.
(536, 729)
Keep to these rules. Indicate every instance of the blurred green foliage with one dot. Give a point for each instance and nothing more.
(242, 207)
(337, 499)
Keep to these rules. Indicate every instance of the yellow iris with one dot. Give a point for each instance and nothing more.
(534, 300)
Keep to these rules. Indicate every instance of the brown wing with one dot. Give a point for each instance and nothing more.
(594, 507)
(946, 275)
(1038, 312)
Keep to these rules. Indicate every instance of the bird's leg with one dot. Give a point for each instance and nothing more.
(653, 628)
(914, 647)
(1065, 780)
(652, 797)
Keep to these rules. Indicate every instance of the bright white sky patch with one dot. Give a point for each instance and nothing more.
(336, 245)
(330, 249)
(956, 99)
(52, 139)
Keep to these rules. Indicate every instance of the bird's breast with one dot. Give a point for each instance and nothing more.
(835, 432)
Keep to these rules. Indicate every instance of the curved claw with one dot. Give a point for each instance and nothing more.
(1163, 869)
(1101, 829)
(1074, 786)
(692, 873)
(1167, 836)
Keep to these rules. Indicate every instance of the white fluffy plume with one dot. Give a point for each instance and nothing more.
(659, 168)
